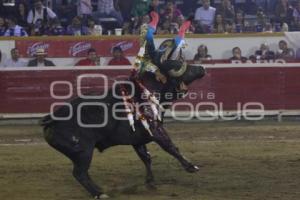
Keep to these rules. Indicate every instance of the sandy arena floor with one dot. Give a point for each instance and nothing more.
(249, 161)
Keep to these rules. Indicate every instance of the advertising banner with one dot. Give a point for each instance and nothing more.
(76, 48)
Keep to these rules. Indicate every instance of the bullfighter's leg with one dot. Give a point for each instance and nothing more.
(145, 156)
(82, 163)
(149, 37)
(163, 140)
(179, 40)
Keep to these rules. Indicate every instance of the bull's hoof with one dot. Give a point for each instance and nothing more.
(192, 168)
(151, 186)
(102, 196)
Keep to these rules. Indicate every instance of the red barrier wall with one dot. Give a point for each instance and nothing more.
(28, 91)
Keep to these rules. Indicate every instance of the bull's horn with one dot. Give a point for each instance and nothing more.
(178, 73)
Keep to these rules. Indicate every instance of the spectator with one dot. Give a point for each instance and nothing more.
(84, 8)
(219, 25)
(125, 8)
(237, 55)
(137, 24)
(145, 19)
(67, 11)
(76, 28)
(202, 54)
(171, 12)
(169, 24)
(180, 20)
(40, 60)
(40, 28)
(2, 26)
(91, 60)
(174, 28)
(281, 10)
(284, 51)
(14, 29)
(92, 29)
(164, 27)
(109, 8)
(118, 57)
(290, 13)
(269, 28)
(15, 60)
(140, 8)
(56, 28)
(127, 28)
(296, 15)
(178, 24)
(155, 5)
(226, 9)
(264, 53)
(261, 19)
(40, 12)
(21, 15)
(205, 16)
(229, 27)
(267, 5)
(241, 25)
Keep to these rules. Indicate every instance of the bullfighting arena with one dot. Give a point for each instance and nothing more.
(238, 160)
(249, 150)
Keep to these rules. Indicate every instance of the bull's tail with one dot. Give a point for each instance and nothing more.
(46, 122)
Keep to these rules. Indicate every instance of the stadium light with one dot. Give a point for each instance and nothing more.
(9, 3)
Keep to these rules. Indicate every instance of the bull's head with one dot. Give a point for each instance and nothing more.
(180, 72)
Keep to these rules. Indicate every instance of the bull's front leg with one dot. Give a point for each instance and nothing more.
(163, 140)
(145, 156)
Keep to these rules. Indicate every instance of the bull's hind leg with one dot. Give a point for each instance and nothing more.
(163, 140)
(81, 157)
(82, 163)
(145, 156)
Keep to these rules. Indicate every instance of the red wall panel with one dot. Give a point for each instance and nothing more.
(276, 88)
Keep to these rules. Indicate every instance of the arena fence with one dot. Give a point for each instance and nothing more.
(228, 91)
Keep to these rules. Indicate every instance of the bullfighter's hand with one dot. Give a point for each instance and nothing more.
(182, 87)
(160, 77)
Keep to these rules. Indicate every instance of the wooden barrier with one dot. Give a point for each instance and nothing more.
(276, 87)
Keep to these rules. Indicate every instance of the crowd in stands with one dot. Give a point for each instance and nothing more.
(40, 59)
(263, 54)
(94, 17)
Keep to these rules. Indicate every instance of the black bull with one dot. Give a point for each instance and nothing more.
(78, 143)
